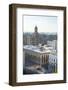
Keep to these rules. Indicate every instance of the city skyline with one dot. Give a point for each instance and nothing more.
(40, 53)
(40, 45)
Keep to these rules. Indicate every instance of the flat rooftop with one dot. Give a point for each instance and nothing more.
(37, 49)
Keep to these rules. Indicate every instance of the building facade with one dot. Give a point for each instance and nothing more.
(53, 44)
(39, 57)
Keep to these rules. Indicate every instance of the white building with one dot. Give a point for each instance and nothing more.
(52, 58)
(53, 44)
(41, 55)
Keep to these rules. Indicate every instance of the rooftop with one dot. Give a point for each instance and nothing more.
(38, 49)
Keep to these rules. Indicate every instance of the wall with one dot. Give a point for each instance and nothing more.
(4, 44)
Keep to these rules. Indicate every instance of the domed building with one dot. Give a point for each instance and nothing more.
(35, 37)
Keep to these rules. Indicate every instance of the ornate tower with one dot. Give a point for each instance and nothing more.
(36, 29)
(35, 36)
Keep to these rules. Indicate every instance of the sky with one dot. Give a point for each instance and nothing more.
(44, 23)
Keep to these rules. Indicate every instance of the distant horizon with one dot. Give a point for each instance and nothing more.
(42, 32)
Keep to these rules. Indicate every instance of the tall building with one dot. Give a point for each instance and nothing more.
(24, 39)
(35, 37)
(28, 40)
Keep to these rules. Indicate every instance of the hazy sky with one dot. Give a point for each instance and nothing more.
(44, 23)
